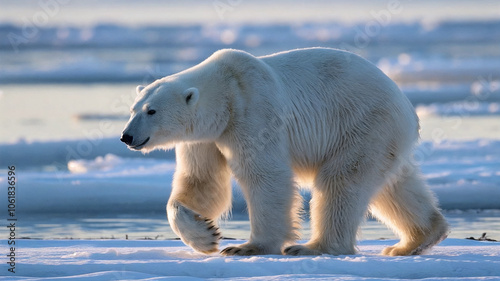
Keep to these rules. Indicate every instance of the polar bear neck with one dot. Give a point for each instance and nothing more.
(226, 81)
(212, 111)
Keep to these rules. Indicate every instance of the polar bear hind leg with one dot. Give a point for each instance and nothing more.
(409, 208)
(337, 208)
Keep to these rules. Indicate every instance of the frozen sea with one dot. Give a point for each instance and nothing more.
(86, 207)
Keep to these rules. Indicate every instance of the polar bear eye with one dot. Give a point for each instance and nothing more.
(151, 112)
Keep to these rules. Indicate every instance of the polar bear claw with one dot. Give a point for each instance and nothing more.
(199, 232)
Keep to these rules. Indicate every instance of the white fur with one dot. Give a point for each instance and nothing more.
(319, 116)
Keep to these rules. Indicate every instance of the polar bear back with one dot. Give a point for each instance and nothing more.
(336, 103)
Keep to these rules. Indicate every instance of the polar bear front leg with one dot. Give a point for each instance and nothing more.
(270, 195)
(195, 230)
(201, 194)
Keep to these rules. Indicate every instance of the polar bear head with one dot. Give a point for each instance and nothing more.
(194, 105)
(163, 114)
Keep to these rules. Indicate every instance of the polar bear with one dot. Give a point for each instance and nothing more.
(320, 117)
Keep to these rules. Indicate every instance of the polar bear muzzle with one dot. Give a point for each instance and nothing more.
(129, 140)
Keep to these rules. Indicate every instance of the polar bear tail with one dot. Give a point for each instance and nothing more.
(409, 208)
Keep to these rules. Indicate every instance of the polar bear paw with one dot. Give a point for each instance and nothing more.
(249, 249)
(196, 231)
(301, 250)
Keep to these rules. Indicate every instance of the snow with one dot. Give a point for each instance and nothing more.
(405, 68)
(172, 260)
(460, 109)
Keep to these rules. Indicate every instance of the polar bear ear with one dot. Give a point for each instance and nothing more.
(139, 89)
(191, 96)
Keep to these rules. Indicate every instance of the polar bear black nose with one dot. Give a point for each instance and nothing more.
(127, 139)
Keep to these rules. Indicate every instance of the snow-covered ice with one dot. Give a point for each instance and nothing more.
(171, 260)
